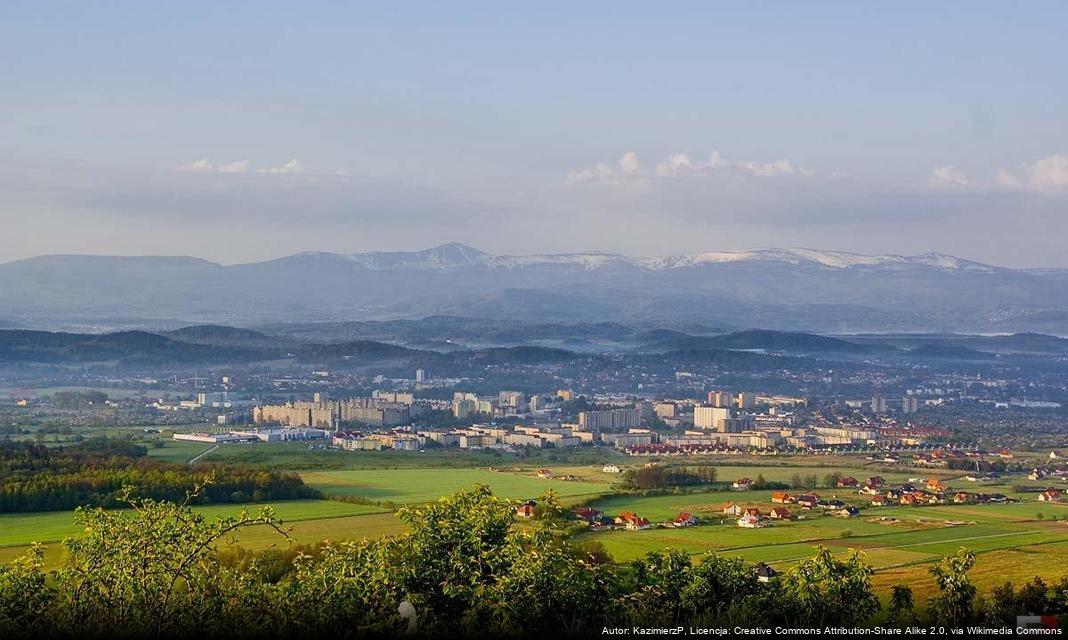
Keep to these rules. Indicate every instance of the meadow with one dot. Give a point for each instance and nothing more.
(1013, 542)
(409, 486)
(901, 543)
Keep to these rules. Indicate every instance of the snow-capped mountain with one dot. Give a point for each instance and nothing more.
(801, 289)
(454, 256)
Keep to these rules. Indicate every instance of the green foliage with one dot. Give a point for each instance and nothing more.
(956, 600)
(665, 477)
(36, 478)
(826, 590)
(900, 608)
(463, 568)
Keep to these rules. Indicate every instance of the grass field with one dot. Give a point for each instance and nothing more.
(918, 535)
(17, 529)
(297, 456)
(178, 451)
(422, 485)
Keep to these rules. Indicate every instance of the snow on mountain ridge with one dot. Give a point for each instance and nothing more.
(452, 256)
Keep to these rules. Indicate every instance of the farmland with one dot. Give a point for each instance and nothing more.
(311, 521)
(421, 485)
(900, 542)
(1013, 540)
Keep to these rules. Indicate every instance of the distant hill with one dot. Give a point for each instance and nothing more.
(949, 352)
(219, 335)
(598, 293)
(125, 347)
(1017, 343)
(764, 340)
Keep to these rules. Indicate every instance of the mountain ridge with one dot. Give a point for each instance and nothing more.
(782, 289)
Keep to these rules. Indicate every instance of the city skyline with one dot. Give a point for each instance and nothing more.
(242, 135)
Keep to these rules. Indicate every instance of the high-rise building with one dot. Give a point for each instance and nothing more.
(420, 375)
(512, 399)
(910, 404)
(878, 404)
(720, 399)
(711, 418)
(609, 419)
(746, 401)
(665, 409)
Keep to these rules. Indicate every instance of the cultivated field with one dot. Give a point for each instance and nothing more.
(311, 520)
(900, 542)
(407, 486)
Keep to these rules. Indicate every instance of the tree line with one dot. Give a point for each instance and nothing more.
(38, 478)
(461, 569)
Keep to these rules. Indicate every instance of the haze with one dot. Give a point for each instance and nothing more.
(254, 130)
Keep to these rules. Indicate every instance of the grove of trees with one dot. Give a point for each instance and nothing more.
(38, 478)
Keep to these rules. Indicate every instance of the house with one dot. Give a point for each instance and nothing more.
(750, 521)
(1005, 454)
(1036, 474)
(526, 510)
(741, 484)
(684, 519)
(780, 513)
(753, 511)
(611, 468)
(1055, 455)
(808, 501)
(780, 497)
(764, 573)
(545, 473)
(961, 497)
(1050, 495)
(632, 521)
(848, 482)
(587, 514)
(935, 484)
(875, 481)
(731, 509)
(847, 512)
(878, 501)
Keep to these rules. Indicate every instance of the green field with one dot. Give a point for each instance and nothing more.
(916, 535)
(422, 485)
(178, 451)
(18, 529)
(298, 456)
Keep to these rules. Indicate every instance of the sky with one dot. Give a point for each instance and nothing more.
(246, 131)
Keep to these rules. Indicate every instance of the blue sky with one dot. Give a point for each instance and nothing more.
(253, 130)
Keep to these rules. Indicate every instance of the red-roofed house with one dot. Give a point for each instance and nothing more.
(684, 519)
(1050, 495)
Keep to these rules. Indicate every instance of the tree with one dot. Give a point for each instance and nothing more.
(900, 608)
(956, 600)
(825, 590)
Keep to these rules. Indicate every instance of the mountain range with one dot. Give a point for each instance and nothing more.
(782, 289)
(217, 345)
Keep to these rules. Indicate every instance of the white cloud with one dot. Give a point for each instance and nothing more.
(293, 166)
(1046, 176)
(1006, 179)
(629, 163)
(948, 176)
(679, 165)
(198, 165)
(628, 168)
(238, 166)
(768, 169)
